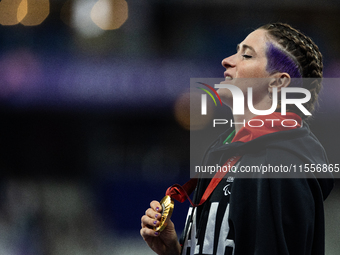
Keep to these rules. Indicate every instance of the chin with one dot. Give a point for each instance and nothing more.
(227, 82)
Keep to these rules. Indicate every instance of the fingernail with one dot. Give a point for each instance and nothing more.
(155, 222)
(157, 208)
(156, 233)
(156, 216)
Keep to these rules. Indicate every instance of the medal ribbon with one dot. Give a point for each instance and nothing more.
(182, 193)
(247, 133)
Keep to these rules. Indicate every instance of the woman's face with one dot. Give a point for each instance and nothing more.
(250, 61)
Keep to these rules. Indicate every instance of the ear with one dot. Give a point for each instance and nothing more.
(279, 81)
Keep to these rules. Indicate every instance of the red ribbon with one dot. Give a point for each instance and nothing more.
(272, 123)
(182, 193)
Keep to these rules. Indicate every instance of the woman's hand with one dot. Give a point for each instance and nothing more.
(165, 242)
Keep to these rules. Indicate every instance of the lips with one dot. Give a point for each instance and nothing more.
(227, 76)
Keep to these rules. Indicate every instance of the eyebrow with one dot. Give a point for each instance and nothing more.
(244, 46)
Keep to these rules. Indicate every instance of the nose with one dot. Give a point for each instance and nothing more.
(228, 62)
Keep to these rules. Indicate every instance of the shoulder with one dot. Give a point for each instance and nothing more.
(297, 145)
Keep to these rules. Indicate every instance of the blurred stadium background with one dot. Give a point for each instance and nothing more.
(94, 111)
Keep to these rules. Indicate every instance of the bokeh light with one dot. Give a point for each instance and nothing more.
(109, 14)
(81, 18)
(22, 10)
(26, 12)
(32, 12)
(9, 11)
(90, 18)
(20, 72)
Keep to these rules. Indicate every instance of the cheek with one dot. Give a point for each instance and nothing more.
(254, 70)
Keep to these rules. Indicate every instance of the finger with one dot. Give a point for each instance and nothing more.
(153, 214)
(156, 206)
(149, 222)
(146, 232)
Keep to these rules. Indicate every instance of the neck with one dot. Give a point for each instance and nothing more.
(241, 119)
(263, 104)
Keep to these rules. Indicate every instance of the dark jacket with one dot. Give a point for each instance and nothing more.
(262, 214)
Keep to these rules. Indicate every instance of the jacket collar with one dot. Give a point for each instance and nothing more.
(267, 124)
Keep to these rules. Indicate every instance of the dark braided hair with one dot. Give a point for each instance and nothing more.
(307, 55)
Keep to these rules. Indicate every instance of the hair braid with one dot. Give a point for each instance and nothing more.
(306, 54)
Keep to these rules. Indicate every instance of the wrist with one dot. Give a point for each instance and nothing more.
(174, 250)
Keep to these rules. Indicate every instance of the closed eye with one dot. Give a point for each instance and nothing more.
(246, 56)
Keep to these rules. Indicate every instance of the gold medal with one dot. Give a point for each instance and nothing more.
(167, 207)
